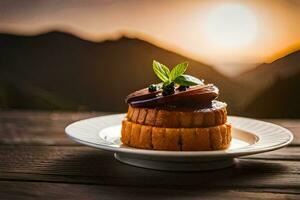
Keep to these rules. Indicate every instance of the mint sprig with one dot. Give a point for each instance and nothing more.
(161, 71)
(178, 70)
(187, 80)
(176, 75)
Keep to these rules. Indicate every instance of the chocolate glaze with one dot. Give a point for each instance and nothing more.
(195, 97)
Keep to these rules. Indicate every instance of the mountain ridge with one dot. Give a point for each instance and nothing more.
(284, 95)
(59, 71)
(265, 75)
(50, 57)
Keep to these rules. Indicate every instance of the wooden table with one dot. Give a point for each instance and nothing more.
(37, 160)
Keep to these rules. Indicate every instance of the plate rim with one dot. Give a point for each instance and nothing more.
(218, 153)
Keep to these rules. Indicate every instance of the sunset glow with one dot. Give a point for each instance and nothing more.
(231, 33)
(230, 26)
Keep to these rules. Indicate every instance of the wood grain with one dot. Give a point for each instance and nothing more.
(37, 161)
(42, 190)
(38, 128)
(91, 166)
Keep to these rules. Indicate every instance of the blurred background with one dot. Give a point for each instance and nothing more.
(88, 55)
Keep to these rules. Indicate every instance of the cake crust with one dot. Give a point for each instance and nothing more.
(177, 119)
(176, 139)
(181, 113)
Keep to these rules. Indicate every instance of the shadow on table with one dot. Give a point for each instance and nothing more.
(99, 167)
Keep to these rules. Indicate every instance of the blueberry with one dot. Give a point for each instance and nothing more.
(168, 89)
(152, 88)
(182, 88)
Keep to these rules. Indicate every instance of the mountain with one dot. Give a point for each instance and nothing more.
(279, 100)
(273, 89)
(265, 75)
(61, 71)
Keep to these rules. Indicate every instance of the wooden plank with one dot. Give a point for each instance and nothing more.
(288, 123)
(288, 153)
(38, 128)
(75, 164)
(41, 190)
(47, 128)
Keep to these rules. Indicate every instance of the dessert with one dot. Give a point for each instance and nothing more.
(179, 114)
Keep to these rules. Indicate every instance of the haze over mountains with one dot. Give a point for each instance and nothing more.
(274, 88)
(60, 71)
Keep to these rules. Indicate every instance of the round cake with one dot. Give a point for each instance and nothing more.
(183, 118)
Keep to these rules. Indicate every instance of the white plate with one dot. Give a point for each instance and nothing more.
(249, 137)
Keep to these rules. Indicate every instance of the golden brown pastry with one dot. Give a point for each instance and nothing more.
(180, 114)
(216, 115)
(176, 139)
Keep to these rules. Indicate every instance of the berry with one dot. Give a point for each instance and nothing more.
(168, 89)
(182, 88)
(152, 88)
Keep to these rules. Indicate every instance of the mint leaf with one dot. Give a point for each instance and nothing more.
(168, 82)
(161, 71)
(187, 80)
(176, 76)
(178, 70)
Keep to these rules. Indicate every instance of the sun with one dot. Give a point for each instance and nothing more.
(230, 26)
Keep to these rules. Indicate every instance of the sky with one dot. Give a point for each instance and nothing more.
(233, 36)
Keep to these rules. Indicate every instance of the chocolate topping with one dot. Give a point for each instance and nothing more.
(194, 97)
